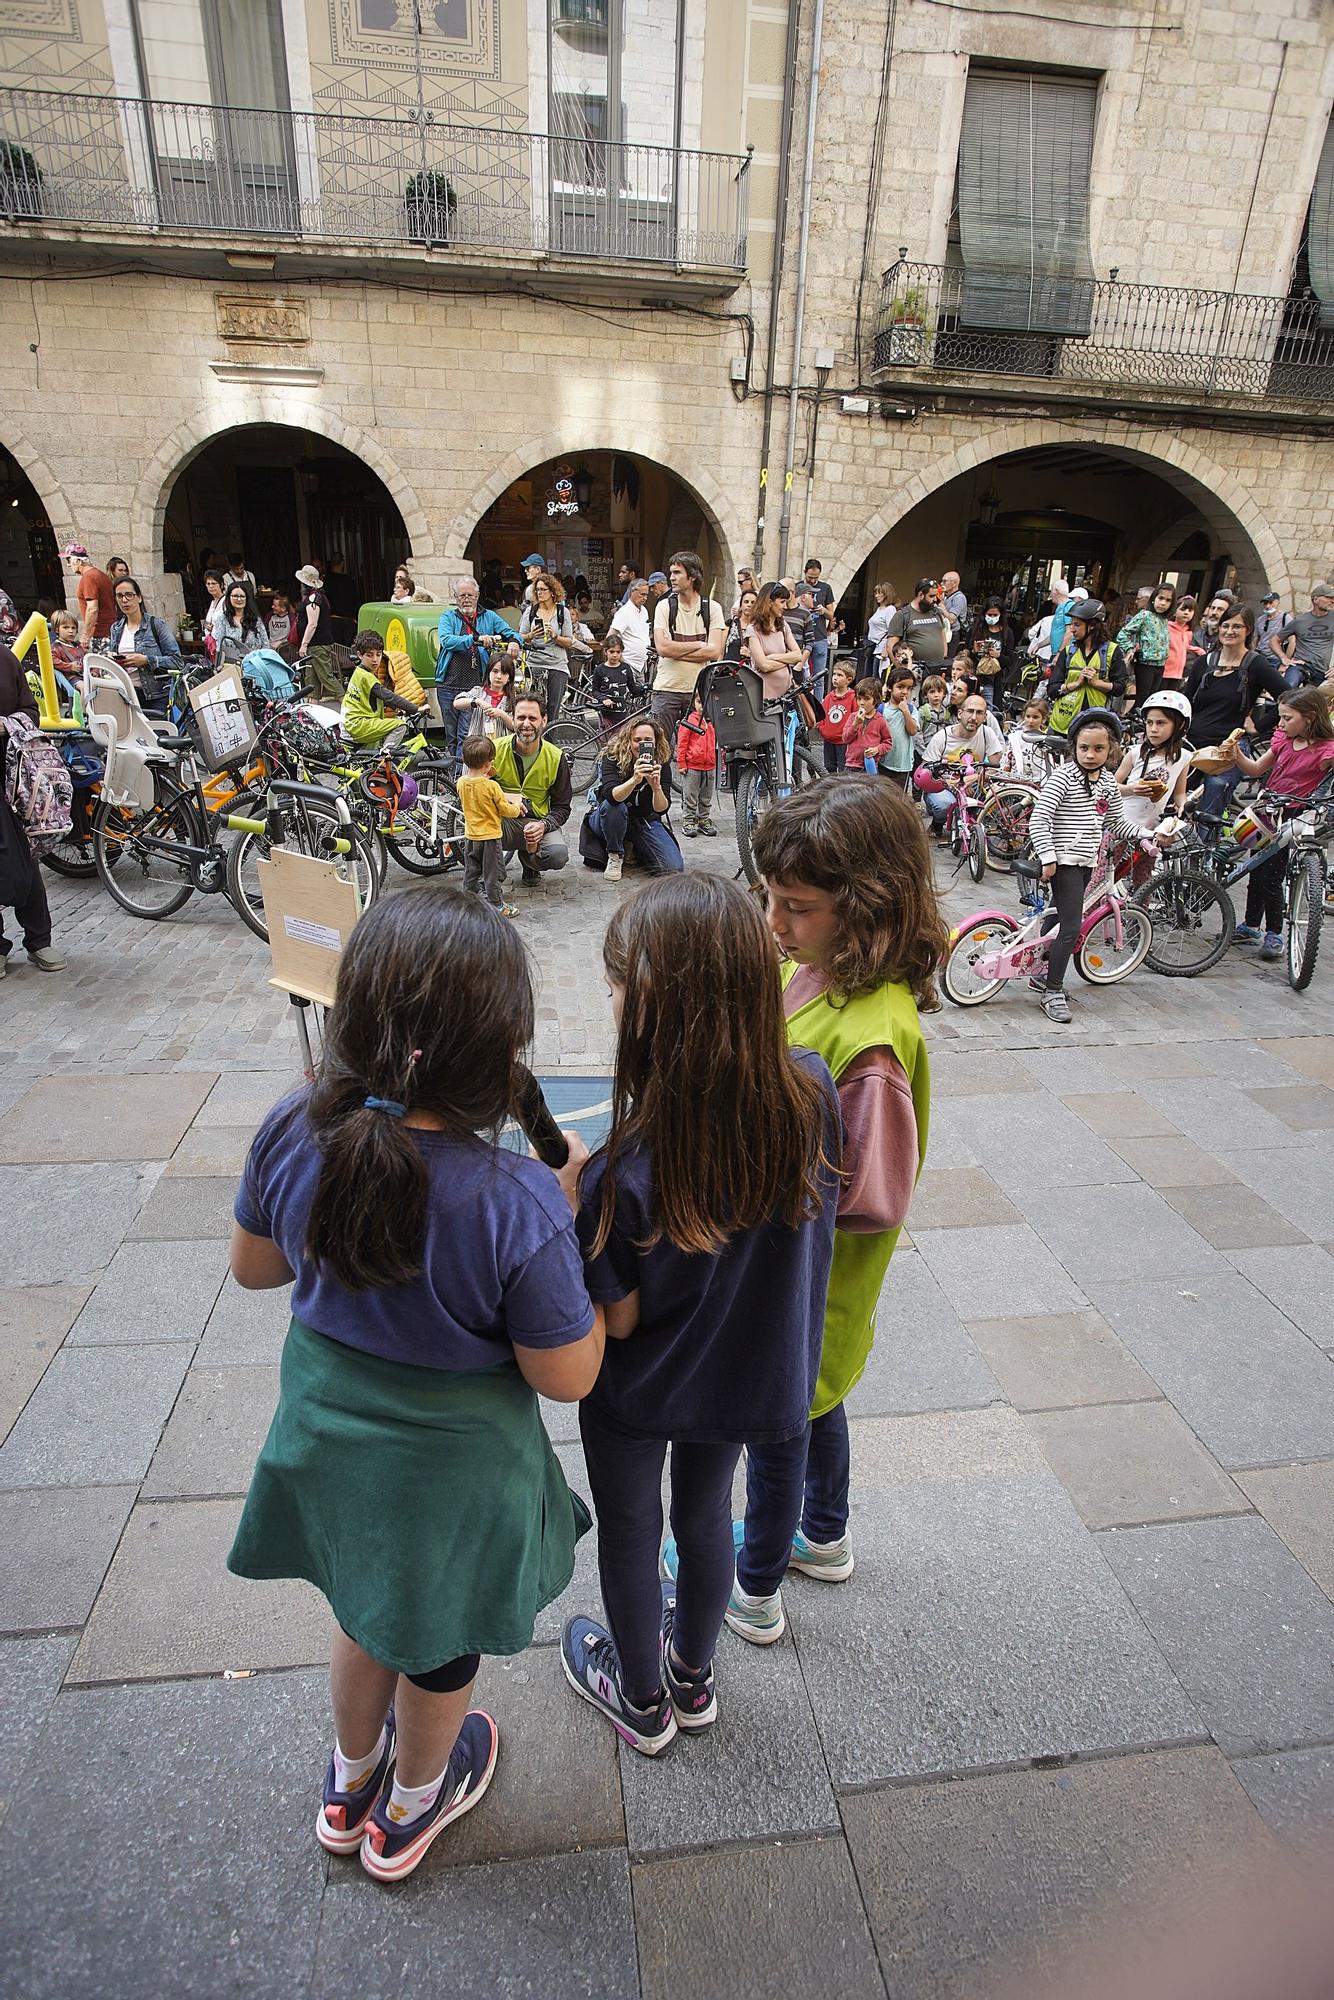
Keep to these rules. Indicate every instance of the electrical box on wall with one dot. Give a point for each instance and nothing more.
(855, 406)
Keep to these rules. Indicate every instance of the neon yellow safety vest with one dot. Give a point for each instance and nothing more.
(541, 774)
(884, 1018)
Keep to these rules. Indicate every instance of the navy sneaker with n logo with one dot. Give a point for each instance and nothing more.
(588, 1656)
(393, 1849)
(694, 1701)
(342, 1816)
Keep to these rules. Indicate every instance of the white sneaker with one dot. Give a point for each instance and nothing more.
(761, 1620)
(613, 868)
(828, 1562)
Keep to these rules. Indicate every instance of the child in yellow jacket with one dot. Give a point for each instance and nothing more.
(382, 690)
(485, 804)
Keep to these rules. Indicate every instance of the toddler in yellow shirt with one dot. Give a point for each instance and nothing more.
(485, 804)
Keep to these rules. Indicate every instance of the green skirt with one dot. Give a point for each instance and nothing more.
(427, 1506)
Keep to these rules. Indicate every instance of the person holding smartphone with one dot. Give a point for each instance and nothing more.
(634, 797)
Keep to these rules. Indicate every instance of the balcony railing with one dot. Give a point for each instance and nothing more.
(1138, 336)
(126, 164)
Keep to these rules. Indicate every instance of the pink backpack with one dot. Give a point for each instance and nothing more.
(37, 785)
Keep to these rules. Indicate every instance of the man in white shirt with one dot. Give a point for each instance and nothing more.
(631, 621)
(687, 636)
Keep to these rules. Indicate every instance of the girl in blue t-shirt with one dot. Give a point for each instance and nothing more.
(406, 1473)
(707, 1219)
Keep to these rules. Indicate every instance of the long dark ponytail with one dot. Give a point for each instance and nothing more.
(434, 1007)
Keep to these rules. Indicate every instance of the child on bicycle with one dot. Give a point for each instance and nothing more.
(972, 735)
(1297, 762)
(711, 1263)
(866, 735)
(406, 1473)
(851, 903)
(1154, 775)
(383, 691)
(1026, 752)
(1078, 804)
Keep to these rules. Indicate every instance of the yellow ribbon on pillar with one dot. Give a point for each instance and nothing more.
(37, 633)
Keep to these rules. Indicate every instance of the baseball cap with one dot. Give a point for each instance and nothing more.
(658, 576)
(1270, 597)
(74, 549)
(1322, 590)
(1079, 591)
(529, 561)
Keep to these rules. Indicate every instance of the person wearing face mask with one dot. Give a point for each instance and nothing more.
(993, 650)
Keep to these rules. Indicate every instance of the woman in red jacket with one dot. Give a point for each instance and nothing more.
(839, 705)
(697, 761)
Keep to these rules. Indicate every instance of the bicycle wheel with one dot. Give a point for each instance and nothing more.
(1193, 921)
(1004, 822)
(805, 770)
(581, 747)
(1306, 912)
(311, 829)
(429, 839)
(72, 854)
(754, 796)
(1101, 960)
(959, 975)
(977, 852)
(151, 882)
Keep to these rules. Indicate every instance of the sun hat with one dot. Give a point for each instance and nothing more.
(310, 576)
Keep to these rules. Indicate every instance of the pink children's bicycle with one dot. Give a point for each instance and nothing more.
(1115, 937)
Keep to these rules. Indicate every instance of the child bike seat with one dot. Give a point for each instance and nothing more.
(129, 744)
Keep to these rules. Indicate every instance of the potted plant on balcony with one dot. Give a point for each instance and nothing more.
(20, 181)
(430, 202)
(907, 328)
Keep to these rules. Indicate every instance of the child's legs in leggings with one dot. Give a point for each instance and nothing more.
(1264, 893)
(824, 1515)
(428, 1708)
(625, 1478)
(801, 1483)
(1068, 886)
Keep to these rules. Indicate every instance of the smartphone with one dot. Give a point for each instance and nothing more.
(646, 760)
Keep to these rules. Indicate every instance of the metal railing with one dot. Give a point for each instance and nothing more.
(126, 163)
(1151, 336)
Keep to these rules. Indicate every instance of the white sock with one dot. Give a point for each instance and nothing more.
(753, 1603)
(351, 1773)
(409, 1802)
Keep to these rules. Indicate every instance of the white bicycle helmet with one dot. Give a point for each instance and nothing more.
(1168, 698)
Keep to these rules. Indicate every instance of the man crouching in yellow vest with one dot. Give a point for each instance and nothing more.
(527, 763)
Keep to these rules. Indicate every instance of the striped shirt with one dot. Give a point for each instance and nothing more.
(1071, 814)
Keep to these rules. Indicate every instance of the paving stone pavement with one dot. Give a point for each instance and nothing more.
(1087, 1657)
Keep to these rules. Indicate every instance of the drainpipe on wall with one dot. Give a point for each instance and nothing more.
(799, 309)
(776, 274)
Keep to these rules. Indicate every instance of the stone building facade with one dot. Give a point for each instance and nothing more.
(135, 339)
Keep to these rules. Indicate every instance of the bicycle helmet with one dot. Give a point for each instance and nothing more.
(1088, 611)
(1168, 698)
(1103, 717)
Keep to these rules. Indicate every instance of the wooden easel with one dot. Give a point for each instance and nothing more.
(310, 910)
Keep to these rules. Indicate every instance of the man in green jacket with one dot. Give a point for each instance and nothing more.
(527, 763)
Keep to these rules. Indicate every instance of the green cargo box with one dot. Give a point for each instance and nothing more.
(410, 629)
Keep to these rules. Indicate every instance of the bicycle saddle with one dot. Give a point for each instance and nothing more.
(175, 743)
(1031, 870)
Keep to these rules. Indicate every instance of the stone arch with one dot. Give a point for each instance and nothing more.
(237, 409)
(46, 486)
(1210, 487)
(569, 440)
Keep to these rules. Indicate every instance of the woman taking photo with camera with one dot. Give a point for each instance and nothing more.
(634, 797)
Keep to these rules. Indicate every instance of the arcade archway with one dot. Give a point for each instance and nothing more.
(586, 514)
(283, 496)
(29, 554)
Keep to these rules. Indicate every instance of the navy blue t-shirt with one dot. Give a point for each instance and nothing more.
(500, 1264)
(728, 1346)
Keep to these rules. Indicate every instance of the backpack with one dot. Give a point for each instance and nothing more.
(705, 613)
(37, 785)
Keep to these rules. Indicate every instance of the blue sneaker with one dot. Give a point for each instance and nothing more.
(693, 1698)
(828, 1562)
(390, 1852)
(669, 1562)
(761, 1620)
(1273, 945)
(341, 1820)
(1245, 934)
(588, 1656)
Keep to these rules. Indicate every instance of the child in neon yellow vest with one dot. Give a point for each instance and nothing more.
(852, 904)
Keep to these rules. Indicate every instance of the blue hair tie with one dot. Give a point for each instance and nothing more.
(388, 1104)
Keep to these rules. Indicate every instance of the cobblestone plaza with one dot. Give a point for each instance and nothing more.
(1086, 1650)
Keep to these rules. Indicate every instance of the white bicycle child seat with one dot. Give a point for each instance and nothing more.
(118, 726)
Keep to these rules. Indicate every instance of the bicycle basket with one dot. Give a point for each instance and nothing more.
(307, 738)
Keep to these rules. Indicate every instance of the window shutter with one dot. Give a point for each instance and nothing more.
(1024, 159)
(1320, 230)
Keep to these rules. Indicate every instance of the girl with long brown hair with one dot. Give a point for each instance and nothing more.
(847, 876)
(773, 650)
(439, 1289)
(708, 1222)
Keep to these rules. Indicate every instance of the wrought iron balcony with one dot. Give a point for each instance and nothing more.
(1155, 337)
(123, 164)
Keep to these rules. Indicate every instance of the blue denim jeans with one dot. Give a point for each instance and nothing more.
(455, 722)
(653, 840)
(800, 1484)
(819, 664)
(1218, 790)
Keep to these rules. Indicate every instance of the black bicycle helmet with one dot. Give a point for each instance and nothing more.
(1105, 718)
(1087, 609)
